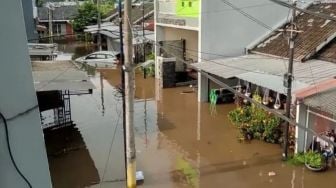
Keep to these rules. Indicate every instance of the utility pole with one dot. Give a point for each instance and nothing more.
(143, 34)
(50, 9)
(129, 95)
(121, 60)
(288, 81)
(99, 27)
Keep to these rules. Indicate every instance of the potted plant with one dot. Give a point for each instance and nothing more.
(315, 161)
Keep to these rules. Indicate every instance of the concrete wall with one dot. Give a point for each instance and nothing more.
(31, 32)
(191, 37)
(227, 32)
(16, 96)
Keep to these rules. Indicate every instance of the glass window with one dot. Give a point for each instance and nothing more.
(101, 56)
(110, 56)
(91, 57)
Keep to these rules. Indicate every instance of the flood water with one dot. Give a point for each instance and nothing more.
(179, 142)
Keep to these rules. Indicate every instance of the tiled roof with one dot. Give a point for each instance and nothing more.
(316, 33)
(328, 53)
(136, 13)
(60, 13)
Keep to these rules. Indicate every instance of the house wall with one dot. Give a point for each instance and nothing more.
(225, 31)
(18, 95)
(28, 14)
(191, 37)
(69, 29)
(173, 14)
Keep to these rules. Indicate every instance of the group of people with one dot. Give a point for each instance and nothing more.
(327, 148)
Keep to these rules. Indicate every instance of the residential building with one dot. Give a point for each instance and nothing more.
(265, 63)
(61, 16)
(206, 30)
(18, 104)
(110, 29)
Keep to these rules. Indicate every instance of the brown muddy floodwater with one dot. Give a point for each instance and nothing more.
(179, 144)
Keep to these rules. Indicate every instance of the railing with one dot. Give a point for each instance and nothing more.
(181, 13)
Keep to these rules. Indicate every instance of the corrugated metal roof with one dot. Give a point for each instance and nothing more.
(272, 82)
(266, 70)
(325, 101)
(50, 76)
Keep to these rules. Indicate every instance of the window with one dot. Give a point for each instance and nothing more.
(91, 57)
(100, 56)
(110, 56)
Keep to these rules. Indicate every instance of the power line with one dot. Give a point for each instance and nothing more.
(273, 111)
(235, 67)
(320, 15)
(10, 151)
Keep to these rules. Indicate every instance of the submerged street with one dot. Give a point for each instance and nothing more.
(179, 143)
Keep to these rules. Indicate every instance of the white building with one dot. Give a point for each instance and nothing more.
(212, 29)
(18, 104)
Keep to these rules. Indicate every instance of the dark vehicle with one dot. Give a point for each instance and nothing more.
(224, 96)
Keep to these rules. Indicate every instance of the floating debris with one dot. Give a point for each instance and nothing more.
(271, 173)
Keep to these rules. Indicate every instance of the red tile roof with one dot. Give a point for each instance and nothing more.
(316, 33)
(314, 89)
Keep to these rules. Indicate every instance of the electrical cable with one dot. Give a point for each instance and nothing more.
(235, 67)
(10, 151)
(273, 111)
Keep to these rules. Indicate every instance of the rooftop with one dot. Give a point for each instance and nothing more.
(60, 75)
(268, 72)
(316, 33)
(60, 13)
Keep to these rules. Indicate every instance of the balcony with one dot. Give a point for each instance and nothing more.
(178, 13)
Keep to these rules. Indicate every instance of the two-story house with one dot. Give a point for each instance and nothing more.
(195, 30)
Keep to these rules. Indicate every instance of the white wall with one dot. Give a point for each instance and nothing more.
(191, 37)
(17, 95)
(227, 32)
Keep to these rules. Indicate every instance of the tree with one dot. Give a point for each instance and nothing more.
(87, 15)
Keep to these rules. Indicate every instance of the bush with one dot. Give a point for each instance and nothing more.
(254, 122)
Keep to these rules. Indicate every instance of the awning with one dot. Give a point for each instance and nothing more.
(63, 75)
(325, 101)
(268, 72)
(271, 82)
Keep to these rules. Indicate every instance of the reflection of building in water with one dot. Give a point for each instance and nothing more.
(54, 84)
(70, 162)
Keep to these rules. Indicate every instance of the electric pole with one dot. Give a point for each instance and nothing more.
(121, 60)
(129, 95)
(99, 27)
(50, 9)
(143, 35)
(288, 80)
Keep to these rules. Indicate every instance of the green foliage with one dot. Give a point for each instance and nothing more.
(314, 159)
(256, 122)
(311, 158)
(188, 171)
(150, 70)
(88, 14)
(150, 56)
(39, 3)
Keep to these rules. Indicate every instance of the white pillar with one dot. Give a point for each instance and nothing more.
(203, 86)
(17, 96)
(300, 134)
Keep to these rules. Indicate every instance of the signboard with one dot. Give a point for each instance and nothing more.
(187, 8)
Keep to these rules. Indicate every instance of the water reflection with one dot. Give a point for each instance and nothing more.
(179, 143)
(63, 146)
